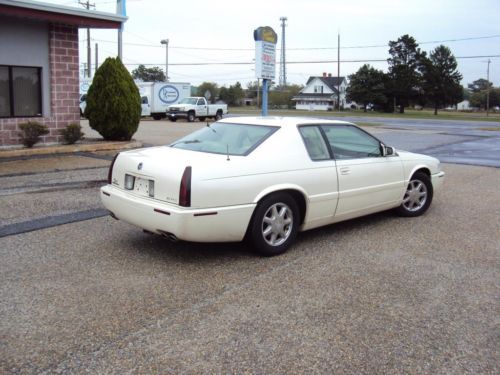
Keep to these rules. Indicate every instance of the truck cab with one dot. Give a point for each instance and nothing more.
(196, 107)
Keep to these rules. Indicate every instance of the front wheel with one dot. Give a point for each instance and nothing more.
(275, 224)
(191, 117)
(418, 196)
(218, 116)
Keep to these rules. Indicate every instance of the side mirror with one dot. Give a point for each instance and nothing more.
(388, 151)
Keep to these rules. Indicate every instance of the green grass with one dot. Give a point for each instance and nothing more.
(423, 114)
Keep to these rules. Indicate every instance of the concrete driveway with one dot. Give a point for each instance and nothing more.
(373, 295)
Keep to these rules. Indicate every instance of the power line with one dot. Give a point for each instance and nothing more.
(298, 62)
(302, 48)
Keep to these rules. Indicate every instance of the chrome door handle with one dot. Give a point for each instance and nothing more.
(345, 170)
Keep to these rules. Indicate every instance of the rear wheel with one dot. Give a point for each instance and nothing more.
(275, 224)
(156, 116)
(191, 117)
(418, 196)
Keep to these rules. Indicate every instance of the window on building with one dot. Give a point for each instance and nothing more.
(20, 91)
(318, 89)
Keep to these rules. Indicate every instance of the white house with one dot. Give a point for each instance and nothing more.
(321, 93)
(463, 106)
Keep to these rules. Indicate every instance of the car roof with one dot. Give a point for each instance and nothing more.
(281, 121)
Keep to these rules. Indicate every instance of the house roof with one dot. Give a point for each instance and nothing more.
(60, 14)
(331, 82)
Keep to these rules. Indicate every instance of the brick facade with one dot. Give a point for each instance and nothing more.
(64, 88)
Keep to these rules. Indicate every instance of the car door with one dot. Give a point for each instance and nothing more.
(145, 107)
(368, 180)
(201, 107)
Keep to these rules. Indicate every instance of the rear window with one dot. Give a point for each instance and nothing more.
(226, 138)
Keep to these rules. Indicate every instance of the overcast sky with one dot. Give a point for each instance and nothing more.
(202, 31)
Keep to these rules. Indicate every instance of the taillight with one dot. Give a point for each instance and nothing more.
(185, 191)
(110, 171)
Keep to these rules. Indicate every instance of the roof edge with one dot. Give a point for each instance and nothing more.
(62, 9)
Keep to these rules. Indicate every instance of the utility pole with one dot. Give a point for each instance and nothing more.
(338, 70)
(488, 89)
(96, 57)
(282, 80)
(87, 5)
(166, 41)
(121, 9)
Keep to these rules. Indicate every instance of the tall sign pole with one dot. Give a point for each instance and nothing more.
(265, 59)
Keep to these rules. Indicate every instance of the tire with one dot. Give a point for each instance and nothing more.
(275, 224)
(418, 196)
(218, 116)
(191, 117)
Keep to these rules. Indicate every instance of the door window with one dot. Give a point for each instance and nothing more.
(350, 142)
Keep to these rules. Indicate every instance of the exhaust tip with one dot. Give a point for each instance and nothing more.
(169, 236)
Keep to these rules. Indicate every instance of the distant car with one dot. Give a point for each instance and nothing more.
(83, 103)
(266, 179)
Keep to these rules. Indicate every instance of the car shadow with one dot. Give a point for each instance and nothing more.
(191, 252)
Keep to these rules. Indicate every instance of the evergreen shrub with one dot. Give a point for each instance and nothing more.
(113, 102)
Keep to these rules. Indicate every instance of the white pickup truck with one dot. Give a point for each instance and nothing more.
(195, 107)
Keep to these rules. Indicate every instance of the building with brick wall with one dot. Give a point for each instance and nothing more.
(39, 64)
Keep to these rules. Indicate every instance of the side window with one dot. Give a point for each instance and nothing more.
(201, 102)
(314, 142)
(349, 142)
(20, 91)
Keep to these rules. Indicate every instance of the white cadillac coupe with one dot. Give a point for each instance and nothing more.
(266, 179)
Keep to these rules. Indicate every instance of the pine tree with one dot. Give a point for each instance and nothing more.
(405, 70)
(442, 79)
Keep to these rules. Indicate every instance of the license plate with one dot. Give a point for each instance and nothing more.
(141, 186)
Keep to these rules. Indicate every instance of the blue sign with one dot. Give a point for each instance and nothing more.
(168, 94)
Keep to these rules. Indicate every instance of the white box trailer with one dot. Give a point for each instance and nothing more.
(157, 96)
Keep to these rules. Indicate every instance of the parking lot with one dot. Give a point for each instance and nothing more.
(81, 292)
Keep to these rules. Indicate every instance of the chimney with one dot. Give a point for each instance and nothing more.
(329, 74)
(324, 74)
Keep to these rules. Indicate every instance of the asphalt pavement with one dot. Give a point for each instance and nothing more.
(81, 292)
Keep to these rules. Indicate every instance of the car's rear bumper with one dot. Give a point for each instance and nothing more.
(218, 224)
(437, 180)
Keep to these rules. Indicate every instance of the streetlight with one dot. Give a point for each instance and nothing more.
(165, 41)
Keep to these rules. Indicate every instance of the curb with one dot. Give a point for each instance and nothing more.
(65, 149)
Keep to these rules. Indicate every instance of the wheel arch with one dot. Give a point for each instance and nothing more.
(419, 168)
(296, 192)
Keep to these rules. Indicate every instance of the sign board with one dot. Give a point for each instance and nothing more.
(265, 52)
